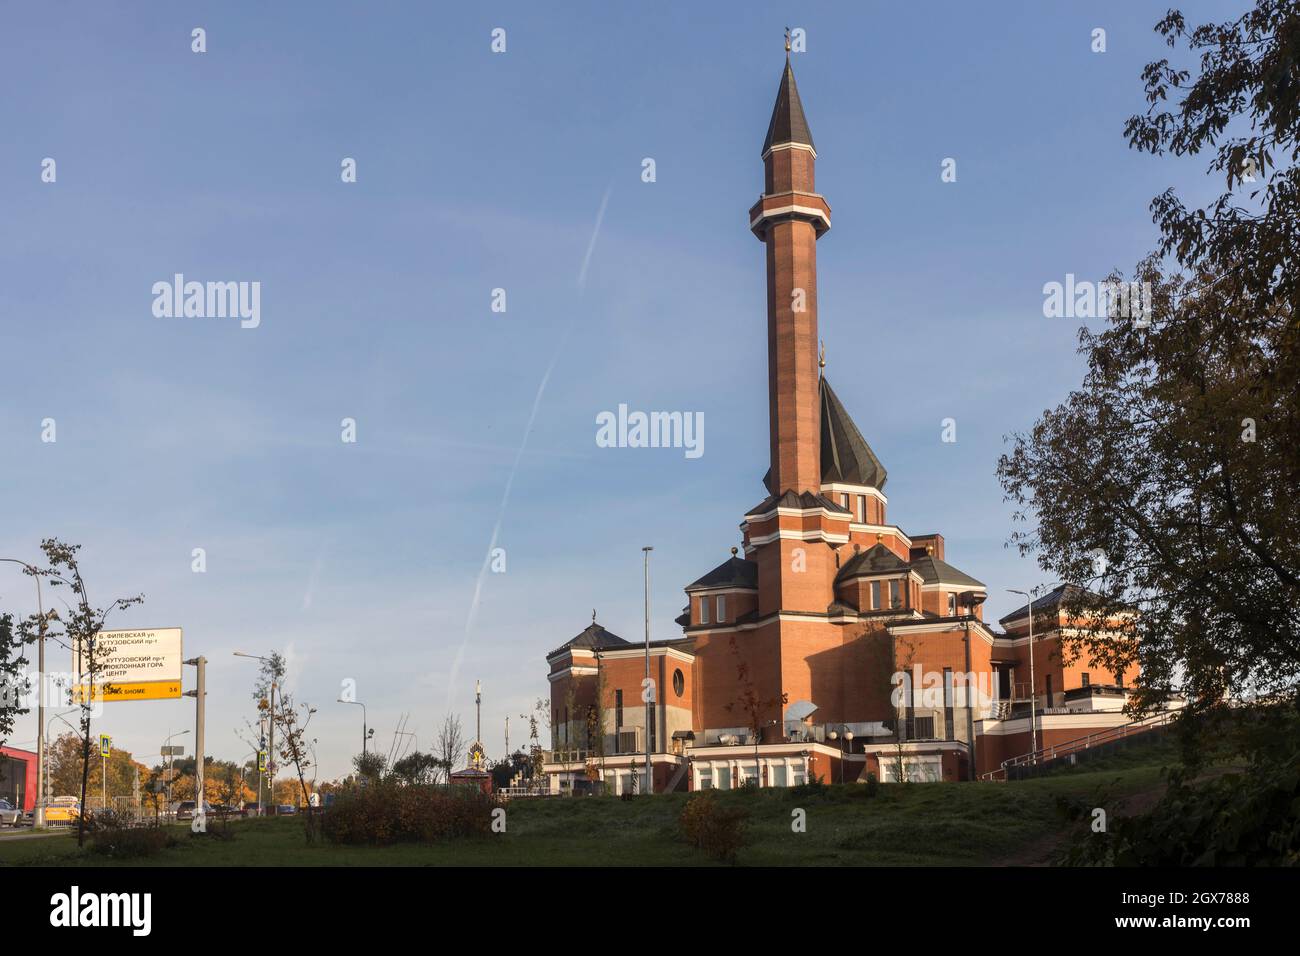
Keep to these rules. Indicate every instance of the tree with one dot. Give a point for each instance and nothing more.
(417, 767)
(13, 676)
(450, 744)
(291, 720)
(370, 766)
(752, 707)
(1166, 481)
(79, 629)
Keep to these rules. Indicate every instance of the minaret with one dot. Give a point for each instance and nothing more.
(789, 218)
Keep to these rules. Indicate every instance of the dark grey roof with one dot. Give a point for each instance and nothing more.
(788, 123)
(875, 560)
(933, 570)
(1053, 599)
(845, 455)
(793, 499)
(734, 572)
(594, 637)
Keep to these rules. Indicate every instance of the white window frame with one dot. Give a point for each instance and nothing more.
(704, 609)
(722, 608)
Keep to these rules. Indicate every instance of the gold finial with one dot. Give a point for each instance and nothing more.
(821, 355)
(879, 537)
(593, 615)
(929, 549)
(787, 41)
(734, 551)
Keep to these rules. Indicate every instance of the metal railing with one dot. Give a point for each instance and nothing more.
(1056, 751)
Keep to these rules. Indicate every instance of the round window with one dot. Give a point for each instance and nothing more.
(679, 682)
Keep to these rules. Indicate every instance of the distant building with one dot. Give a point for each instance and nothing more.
(18, 777)
(876, 643)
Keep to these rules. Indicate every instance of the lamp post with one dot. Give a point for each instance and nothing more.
(647, 690)
(38, 815)
(364, 724)
(1033, 688)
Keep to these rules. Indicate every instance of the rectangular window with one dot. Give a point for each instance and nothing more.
(1049, 691)
(779, 775)
(706, 778)
(923, 728)
(862, 509)
(618, 711)
(895, 594)
(875, 595)
(722, 608)
(724, 778)
(952, 604)
(1119, 678)
(947, 704)
(1086, 678)
(704, 610)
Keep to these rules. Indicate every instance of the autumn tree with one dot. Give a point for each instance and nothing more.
(78, 627)
(1167, 481)
(291, 721)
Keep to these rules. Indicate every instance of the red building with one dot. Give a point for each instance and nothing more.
(838, 644)
(18, 777)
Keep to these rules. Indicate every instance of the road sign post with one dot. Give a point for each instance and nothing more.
(200, 665)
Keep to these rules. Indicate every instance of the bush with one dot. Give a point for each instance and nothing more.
(423, 813)
(120, 837)
(872, 786)
(707, 825)
(1237, 819)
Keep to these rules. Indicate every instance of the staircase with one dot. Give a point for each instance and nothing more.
(676, 778)
(1048, 755)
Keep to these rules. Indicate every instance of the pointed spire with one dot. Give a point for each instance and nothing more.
(788, 123)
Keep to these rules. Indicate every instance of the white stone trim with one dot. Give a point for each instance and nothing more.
(780, 146)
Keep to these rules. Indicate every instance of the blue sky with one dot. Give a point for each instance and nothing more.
(476, 171)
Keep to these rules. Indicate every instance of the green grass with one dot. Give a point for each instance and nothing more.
(962, 824)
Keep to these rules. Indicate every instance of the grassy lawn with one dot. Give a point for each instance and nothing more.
(962, 824)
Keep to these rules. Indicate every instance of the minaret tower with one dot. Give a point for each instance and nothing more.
(789, 218)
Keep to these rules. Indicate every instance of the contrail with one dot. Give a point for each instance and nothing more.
(519, 454)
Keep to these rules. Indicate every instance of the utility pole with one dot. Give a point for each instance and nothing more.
(478, 711)
(200, 665)
(647, 690)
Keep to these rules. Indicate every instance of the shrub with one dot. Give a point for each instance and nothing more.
(707, 825)
(872, 786)
(813, 788)
(1236, 819)
(117, 836)
(422, 813)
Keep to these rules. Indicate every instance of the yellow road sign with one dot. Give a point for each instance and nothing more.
(133, 690)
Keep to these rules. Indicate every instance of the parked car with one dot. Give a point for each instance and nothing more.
(185, 810)
(62, 811)
(285, 809)
(10, 816)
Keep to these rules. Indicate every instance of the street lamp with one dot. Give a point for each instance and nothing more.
(646, 692)
(1033, 688)
(847, 739)
(364, 734)
(38, 816)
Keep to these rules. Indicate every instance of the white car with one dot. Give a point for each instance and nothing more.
(10, 816)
